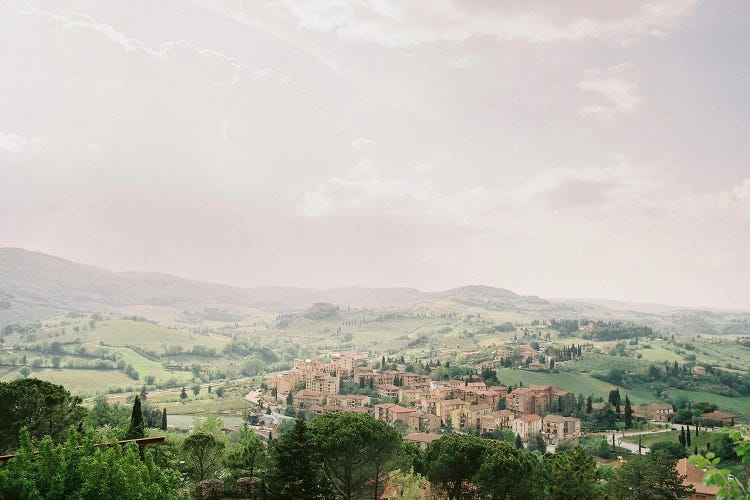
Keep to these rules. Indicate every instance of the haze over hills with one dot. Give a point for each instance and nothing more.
(35, 286)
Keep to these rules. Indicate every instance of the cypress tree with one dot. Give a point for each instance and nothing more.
(136, 429)
(628, 413)
(687, 436)
(164, 419)
(519, 442)
(640, 443)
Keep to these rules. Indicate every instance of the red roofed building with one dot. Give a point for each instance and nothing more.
(693, 476)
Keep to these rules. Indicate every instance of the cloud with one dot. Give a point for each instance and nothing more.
(737, 199)
(361, 142)
(364, 191)
(12, 142)
(15, 143)
(617, 86)
(395, 23)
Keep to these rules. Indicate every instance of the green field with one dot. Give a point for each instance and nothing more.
(82, 381)
(145, 366)
(143, 334)
(649, 440)
(577, 383)
(737, 405)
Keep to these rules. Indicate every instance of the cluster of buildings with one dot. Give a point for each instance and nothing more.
(427, 405)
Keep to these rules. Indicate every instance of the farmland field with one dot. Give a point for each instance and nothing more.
(577, 383)
(82, 381)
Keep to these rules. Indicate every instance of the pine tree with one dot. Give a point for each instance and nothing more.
(164, 419)
(295, 465)
(136, 429)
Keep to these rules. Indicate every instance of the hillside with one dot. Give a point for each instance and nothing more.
(35, 286)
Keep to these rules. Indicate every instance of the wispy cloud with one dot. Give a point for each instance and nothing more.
(400, 24)
(616, 86)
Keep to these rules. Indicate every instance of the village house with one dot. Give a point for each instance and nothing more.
(693, 476)
(444, 407)
(347, 400)
(285, 382)
(320, 410)
(469, 416)
(411, 396)
(540, 400)
(388, 390)
(322, 382)
(526, 425)
(556, 428)
(422, 438)
(306, 399)
(495, 420)
(717, 418)
(660, 412)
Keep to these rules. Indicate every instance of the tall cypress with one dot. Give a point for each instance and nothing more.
(137, 429)
(687, 435)
(628, 413)
(164, 419)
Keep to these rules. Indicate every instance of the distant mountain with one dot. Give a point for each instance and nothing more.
(34, 285)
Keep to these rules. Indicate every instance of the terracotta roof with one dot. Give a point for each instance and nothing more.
(558, 418)
(718, 415)
(422, 437)
(694, 477)
(529, 418)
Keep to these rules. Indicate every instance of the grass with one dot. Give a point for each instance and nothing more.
(738, 405)
(577, 383)
(143, 334)
(648, 440)
(145, 366)
(82, 381)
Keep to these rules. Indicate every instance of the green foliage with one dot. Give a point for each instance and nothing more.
(358, 452)
(247, 455)
(294, 470)
(103, 413)
(572, 475)
(669, 449)
(452, 461)
(506, 472)
(69, 471)
(647, 477)
(136, 429)
(729, 485)
(43, 408)
(203, 454)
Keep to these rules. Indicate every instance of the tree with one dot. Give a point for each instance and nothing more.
(246, 455)
(729, 485)
(183, 394)
(41, 407)
(669, 449)
(294, 470)
(536, 443)
(358, 452)
(289, 398)
(137, 429)
(143, 393)
(219, 392)
(687, 437)
(628, 413)
(681, 438)
(572, 475)
(72, 471)
(196, 389)
(589, 404)
(507, 472)
(203, 454)
(164, 419)
(452, 461)
(519, 442)
(647, 477)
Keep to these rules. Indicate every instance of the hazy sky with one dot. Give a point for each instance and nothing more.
(596, 150)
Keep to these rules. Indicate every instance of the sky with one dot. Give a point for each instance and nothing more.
(597, 150)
